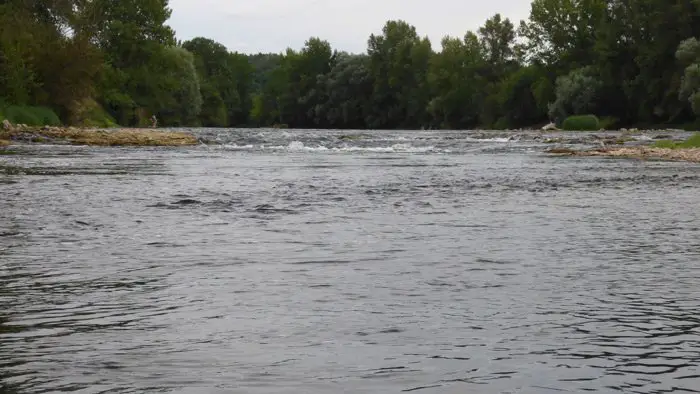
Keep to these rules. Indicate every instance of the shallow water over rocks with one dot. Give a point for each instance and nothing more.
(366, 262)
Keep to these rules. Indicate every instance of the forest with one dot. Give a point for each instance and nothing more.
(101, 63)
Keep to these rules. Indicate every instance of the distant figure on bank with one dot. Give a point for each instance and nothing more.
(154, 121)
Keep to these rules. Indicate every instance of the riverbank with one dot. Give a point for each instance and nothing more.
(691, 155)
(649, 153)
(95, 137)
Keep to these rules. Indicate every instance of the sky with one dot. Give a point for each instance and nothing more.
(252, 26)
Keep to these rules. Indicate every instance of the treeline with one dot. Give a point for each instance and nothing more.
(631, 62)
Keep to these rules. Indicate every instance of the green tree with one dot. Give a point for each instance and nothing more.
(576, 94)
(520, 95)
(167, 87)
(292, 91)
(225, 82)
(399, 62)
(688, 55)
(133, 36)
(497, 37)
(346, 92)
(562, 33)
(456, 83)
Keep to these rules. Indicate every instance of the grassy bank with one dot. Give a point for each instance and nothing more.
(99, 137)
(692, 142)
(29, 115)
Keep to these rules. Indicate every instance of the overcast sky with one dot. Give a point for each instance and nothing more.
(252, 26)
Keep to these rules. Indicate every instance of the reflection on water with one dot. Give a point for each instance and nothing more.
(486, 269)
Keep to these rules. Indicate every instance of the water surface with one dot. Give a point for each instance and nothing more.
(366, 262)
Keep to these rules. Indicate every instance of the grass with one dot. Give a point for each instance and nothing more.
(692, 142)
(89, 113)
(581, 123)
(31, 116)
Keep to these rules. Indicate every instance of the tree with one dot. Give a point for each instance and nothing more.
(399, 61)
(519, 97)
(225, 82)
(562, 33)
(168, 87)
(688, 55)
(39, 63)
(576, 94)
(456, 84)
(497, 37)
(129, 31)
(346, 91)
(292, 92)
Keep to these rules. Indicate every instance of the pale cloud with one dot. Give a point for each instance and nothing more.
(252, 26)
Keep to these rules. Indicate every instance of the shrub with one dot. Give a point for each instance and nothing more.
(581, 123)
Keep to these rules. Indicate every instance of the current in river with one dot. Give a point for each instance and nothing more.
(273, 261)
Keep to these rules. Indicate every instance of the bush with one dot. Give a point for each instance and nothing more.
(31, 116)
(581, 123)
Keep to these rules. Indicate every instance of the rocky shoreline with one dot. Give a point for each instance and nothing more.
(95, 137)
(691, 155)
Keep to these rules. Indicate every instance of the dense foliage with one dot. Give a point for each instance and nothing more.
(101, 62)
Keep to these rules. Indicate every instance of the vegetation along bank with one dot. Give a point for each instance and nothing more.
(104, 63)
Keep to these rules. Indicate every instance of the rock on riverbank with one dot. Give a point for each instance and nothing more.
(96, 137)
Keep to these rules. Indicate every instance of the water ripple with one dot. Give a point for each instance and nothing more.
(387, 262)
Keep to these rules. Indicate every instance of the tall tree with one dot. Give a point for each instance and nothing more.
(225, 80)
(456, 83)
(399, 61)
(346, 92)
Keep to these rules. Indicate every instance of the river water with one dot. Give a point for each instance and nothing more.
(337, 262)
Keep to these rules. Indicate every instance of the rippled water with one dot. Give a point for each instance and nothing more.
(324, 262)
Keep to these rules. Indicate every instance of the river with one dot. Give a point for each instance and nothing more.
(337, 262)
